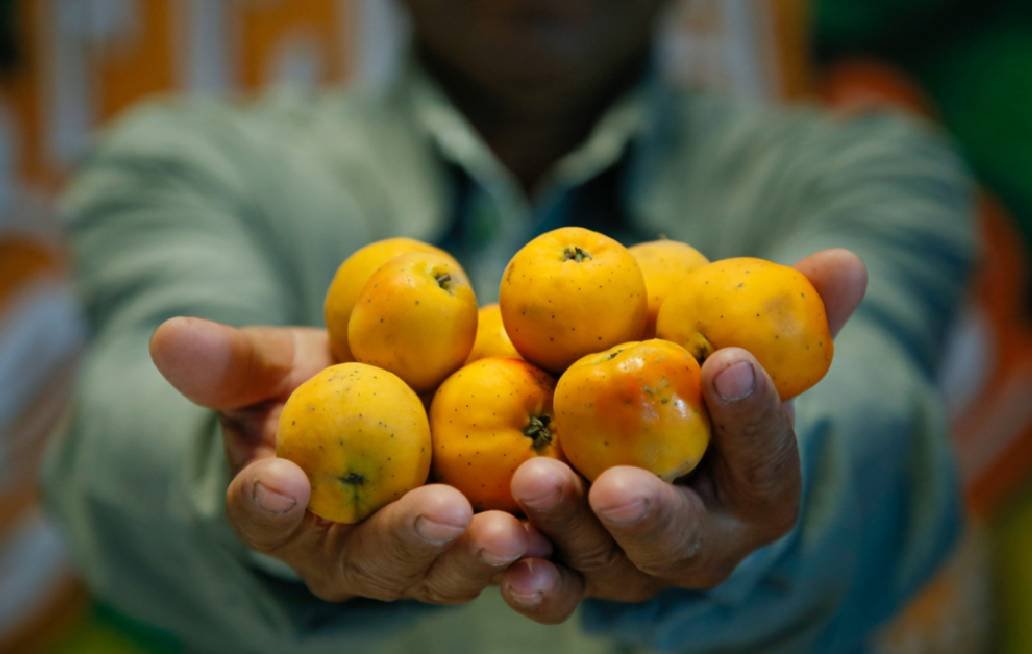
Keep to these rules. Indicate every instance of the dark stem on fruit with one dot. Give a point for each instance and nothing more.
(539, 432)
(575, 254)
(444, 280)
(352, 479)
(701, 348)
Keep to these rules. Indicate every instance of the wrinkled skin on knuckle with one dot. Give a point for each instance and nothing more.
(762, 482)
(597, 558)
(775, 494)
(771, 482)
(704, 573)
(665, 568)
(666, 562)
(359, 577)
(429, 593)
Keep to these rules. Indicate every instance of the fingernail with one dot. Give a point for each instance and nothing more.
(625, 515)
(271, 501)
(545, 500)
(495, 559)
(529, 601)
(736, 382)
(522, 587)
(437, 533)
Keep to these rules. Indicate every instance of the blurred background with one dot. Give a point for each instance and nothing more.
(67, 67)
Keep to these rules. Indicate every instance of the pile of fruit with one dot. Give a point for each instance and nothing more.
(592, 355)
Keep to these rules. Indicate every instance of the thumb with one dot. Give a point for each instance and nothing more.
(266, 503)
(756, 459)
(840, 278)
(224, 368)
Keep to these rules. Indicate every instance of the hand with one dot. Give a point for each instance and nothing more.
(426, 546)
(630, 534)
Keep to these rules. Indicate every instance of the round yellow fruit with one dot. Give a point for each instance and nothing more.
(640, 404)
(487, 419)
(664, 264)
(767, 308)
(570, 292)
(416, 317)
(351, 277)
(362, 437)
(492, 341)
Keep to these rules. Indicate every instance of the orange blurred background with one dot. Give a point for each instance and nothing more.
(77, 63)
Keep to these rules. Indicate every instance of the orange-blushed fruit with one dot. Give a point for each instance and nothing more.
(362, 437)
(492, 341)
(639, 403)
(487, 419)
(416, 317)
(570, 292)
(664, 264)
(767, 308)
(351, 277)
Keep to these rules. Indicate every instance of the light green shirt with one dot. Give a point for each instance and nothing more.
(241, 213)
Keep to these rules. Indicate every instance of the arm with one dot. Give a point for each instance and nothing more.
(878, 506)
(881, 507)
(166, 219)
(149, 242)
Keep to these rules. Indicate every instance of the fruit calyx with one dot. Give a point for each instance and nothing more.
(538, 431)
(444, 280)
(352, 479)
(575, 253)
(699, 347)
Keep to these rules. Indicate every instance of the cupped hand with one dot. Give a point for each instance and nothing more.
(426, 546)
(631, 535)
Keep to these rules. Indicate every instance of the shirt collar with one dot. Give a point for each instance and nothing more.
(459, 143)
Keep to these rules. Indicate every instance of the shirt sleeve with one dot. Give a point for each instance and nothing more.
(880, 507)
(164, 220)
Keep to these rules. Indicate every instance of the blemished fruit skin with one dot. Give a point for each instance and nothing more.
(416, 317)
(767, 308)
(349, 280)
(491, 341)
(570, 292)
(362, 437)
(664, 264)
(487, 419)
(638, 403)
